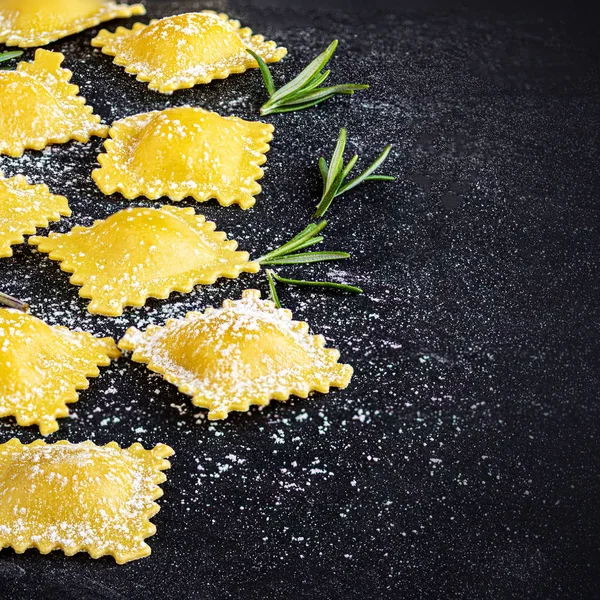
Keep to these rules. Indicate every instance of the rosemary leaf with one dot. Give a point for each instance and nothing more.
(293, 108)
(349, 166)
(363, 176)
(306, 258)
(380, 178)
(317, 80)
(310, 242)
(11, 302)
(304, 232)
(337, 160)
(324, 168)
(324, 284)
(309, 231)
(4, 56)
(266, 73)
(331, 192)
(272, 288)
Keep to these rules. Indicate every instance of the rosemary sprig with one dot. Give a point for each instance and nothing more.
(4, 56)
(11, 302)
(303, 91)
(272, 277)
(288, 253)
(335, 174)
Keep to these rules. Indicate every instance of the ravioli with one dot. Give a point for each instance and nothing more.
(139, 253)
(80, 497)
(23, 207)
(42, 367)
(182, 51)
(248, 352)
(40, 107)
(28, 23)
(181, 152)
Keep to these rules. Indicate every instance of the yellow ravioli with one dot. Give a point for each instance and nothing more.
(184, 50)
(40, 107)
(139, 253)
(23, 208)
(28, 23)
(80, 497)
(42, 367)
(181, 152)
(248, 352)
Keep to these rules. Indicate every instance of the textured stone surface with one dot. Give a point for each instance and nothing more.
(462, 461)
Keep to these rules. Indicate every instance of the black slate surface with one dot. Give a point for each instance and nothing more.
(462, 462)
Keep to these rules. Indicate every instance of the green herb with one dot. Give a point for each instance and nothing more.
(272, 288)
(288, 253)
(335, 174)
(303, 91)
(11, 302)
(299, 282)
(4, 56)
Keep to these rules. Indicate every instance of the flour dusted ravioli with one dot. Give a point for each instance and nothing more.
(80, 497)
(248, 352)
(23, 207)
(27, 23)
(184, 50)
(40, 107)
(139, 253)
(180, 152)
(42, 367)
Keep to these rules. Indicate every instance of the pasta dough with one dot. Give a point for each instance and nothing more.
(40, 107)
(42, 367)
(80, 497)
(27, 23)
(139, 253)
(248, 352)
(180, 152)
(184, 50)
(23, 207)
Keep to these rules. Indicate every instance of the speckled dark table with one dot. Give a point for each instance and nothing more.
(463, 460)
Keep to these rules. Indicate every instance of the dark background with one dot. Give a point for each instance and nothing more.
(463, 460)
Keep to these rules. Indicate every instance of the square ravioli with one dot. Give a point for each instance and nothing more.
(181, 152)
(139, 253)
(55, 112)
(80, 497)
(247, 353)
(182, 51)
(30, 23)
